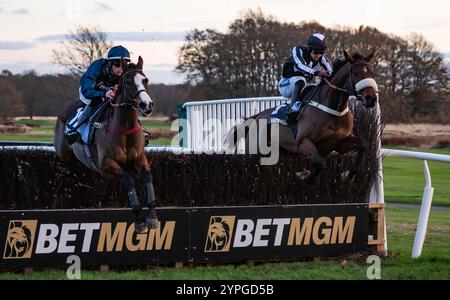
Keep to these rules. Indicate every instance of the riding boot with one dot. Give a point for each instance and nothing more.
(293, 110)
(72, 134)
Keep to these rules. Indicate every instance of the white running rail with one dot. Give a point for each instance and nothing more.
(208, 122)
(427, 197)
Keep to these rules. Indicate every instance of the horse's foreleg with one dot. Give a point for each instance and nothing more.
(307, 147)
(147, 181)
(351, 143)
(127, 181)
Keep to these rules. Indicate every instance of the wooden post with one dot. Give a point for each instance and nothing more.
(104, 268)
(380, 230)
(380, 239)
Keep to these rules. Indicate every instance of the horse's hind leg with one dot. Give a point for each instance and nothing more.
(307, 147)
(62, 148)
(147, 180)
(127, 181)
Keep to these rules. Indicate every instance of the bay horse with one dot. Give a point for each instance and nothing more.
(118, 148)
(326, 123)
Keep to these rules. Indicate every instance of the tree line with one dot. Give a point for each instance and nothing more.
(29, 94)
(246, 61)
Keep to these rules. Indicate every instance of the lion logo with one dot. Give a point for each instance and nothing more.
(220, 232)
(19, 242)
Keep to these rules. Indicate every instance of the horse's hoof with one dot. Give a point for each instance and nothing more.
(140, 228)
(303, 174)
(151, 223)
(345, 175)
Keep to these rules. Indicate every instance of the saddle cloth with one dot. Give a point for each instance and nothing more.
(279, 115)
(87, 129)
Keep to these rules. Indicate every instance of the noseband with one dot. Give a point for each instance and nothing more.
(358, 86)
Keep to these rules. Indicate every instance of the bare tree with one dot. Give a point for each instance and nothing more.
(428, 76)
(81, 48)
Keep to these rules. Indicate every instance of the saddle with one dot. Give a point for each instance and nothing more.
(87, 130)
(279, 115)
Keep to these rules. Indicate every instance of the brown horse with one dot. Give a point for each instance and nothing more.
(326, 123)
(118, 146)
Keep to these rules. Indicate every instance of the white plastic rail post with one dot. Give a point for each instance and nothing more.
(424, 213)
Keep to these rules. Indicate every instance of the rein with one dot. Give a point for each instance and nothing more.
(355, 91)
(127, 103)
(360, 85)
(136, 129)
(345, 91)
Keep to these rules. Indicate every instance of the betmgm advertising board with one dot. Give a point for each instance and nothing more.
(46, 238)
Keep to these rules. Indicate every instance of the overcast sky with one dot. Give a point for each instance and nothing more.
(155, 28)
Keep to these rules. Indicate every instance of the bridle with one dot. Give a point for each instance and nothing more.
(356, 87)
(129, 102)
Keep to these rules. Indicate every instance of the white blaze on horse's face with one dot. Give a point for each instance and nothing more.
(146, 102)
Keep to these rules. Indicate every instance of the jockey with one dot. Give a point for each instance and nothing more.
(97, 84)
(303, 63)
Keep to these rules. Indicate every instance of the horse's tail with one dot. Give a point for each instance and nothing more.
(236, 133)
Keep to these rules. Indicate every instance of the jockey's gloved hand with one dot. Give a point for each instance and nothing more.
(322, 74)
(110, 94)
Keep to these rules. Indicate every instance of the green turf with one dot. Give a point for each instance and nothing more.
(45, 130)
(433, 264)
(43, 125)
(157, 125)
(162, 142)
(26, 138)
(404, 179)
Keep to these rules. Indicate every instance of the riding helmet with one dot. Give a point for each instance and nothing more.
(118, 52)
(317, 42)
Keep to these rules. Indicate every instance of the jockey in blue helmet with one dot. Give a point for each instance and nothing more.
(304, 62)
(97, 84)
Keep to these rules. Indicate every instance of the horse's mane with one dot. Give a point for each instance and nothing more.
(337, 64)
(131, 66)
(340, 62)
